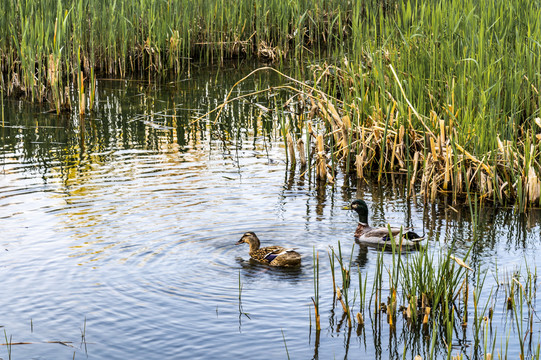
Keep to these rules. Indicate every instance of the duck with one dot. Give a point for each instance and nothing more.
(380, 236)
(270, 255)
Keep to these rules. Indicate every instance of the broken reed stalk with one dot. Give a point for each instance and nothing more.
(302, 155)
(93, 82)
(321, 164)
(308, 135)
(362, 298)
(291, 149)
(360, 319)
(81, 92)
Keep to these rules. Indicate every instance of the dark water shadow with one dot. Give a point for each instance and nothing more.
(364, 250)
(252, 270)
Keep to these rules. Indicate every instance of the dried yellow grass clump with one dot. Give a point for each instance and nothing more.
(430, 150)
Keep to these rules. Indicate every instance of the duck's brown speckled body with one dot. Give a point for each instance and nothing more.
(380, 236)
(271, 255)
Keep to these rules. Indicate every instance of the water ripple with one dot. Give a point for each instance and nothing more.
(140, 241)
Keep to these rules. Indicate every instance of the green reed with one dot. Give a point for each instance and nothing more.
(285, 343)
(8, 343)
(315, 299)
(454, 83)
(447, 93)
(479, 318)
(345, 268)
(83, 337)
(429, 295)
(152, 38)
(377, 285)
(2, 99)
(241, 311)
(332, 267)
(362, 291)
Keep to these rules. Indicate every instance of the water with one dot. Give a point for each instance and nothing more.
(119, 230)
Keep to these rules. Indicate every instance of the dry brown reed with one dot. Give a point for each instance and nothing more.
(426, 149)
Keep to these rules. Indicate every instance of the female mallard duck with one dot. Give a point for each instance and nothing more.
(271, 255)
(380, 236)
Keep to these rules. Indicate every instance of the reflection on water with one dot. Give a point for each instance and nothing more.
(128, 218)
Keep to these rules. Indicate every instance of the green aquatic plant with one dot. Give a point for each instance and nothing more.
(8, 343)
(285, 343)
(315, 299)
(241, 310)
(342, 294)
(45, 44)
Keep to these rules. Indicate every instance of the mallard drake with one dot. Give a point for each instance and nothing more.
(380, 236)
(271, 255)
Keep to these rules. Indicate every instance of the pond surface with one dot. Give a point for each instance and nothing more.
(118, 232)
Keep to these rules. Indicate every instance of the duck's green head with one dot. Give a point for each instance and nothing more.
(360, 207)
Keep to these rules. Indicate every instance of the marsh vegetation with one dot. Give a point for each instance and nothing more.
(437, 100)
(446, 93)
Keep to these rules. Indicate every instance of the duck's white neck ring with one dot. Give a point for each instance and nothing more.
(363, 224)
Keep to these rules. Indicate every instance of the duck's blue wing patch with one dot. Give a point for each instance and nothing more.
(270, 256)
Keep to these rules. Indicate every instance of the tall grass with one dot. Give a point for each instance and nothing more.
(447, 92)
(430, 296)
(45, 44)
(444, 92)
